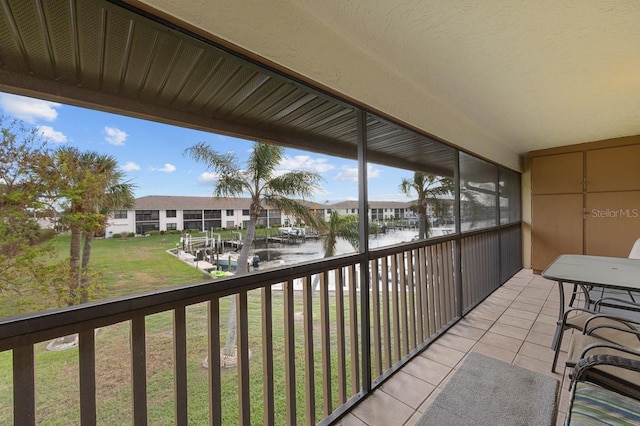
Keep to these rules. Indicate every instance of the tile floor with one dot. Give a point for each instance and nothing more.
(515, 324)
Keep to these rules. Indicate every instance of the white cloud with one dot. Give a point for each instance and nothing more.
(53, 135)
(372, 172)
(130, 166)
(28, 109)
(351, 173)
(168, 168)
(207, 178)
(305, 162)
(347, 174)
(114, 135)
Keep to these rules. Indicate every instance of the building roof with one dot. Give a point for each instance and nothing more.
(171, 202)
(177, 202)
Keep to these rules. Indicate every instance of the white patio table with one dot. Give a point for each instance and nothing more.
(592, 271)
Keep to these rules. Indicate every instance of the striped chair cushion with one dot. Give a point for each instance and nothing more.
(594, 405)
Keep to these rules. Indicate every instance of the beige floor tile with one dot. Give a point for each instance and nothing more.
(533, 364)
(516, 322)
(350, 420)
(414, 419)
(551, 311)
(509, 330)
(495, 352)
(487, 314)
(542, 339)
(500, 341)
(425, 369)
(443, 355)
(514, 312)
(462, 344)
(466, 331)
(543, 353)
(547, 319)
(527, 307)
(429, 400)
(408, 389)
(543, 328)
(382, 409)
(498, 301)
(473, 321)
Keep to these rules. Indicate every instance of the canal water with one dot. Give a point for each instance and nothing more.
(274, 254)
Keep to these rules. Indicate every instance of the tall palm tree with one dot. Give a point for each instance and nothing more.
(340, 226)
(429, 188)
(91, 186)
(265, 187)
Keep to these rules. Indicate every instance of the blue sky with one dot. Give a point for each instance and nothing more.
(151, 154)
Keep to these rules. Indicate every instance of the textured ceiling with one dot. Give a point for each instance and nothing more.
(537, 73)
(499, 78)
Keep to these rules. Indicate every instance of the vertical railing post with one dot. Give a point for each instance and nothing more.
(458, 223)
(307, 312)
(363, 205)
(139, 370)
(213, 349)
(87, 370)
(242, 355)
(289, 353)
(24, 386)
(325, 324)
(267, 356)
(180, 362)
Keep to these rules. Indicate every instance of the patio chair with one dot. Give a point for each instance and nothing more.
(600, 338)
(611, 402)
(577, 318)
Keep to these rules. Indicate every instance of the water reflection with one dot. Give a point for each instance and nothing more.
(280, 254)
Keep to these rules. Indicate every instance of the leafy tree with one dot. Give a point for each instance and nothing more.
(429, 188)
(265, 187)
(25, 189)
(90, 186)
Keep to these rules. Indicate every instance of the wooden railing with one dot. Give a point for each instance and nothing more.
(310, 343)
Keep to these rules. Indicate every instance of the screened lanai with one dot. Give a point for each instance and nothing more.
(375, 310)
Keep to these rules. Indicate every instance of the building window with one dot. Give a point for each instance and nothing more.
(230, 224)
(172, 226)
(171, 213)
(192, 214)
(229, 212)
(245, 212)
(142, 215)
(120, 214)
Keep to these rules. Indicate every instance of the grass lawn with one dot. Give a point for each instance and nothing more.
(142, 264)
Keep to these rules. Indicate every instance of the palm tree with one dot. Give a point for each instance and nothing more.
(429, 188)
(338, 226)
(265, 187)
(91, 186)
